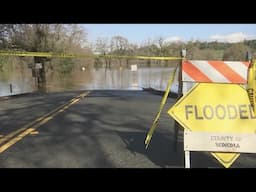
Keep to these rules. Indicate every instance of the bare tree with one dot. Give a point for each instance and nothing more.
(49, 37)
(5, 33)
(120, 46)
(103, 47)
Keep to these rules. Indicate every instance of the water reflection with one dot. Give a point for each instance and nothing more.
(89, 77)
(16, 81)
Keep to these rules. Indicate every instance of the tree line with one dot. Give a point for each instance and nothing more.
(72, 38)
(119, 45)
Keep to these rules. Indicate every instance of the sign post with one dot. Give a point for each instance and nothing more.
(180, 87)
(187, 159)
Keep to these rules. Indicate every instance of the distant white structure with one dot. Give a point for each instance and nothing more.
(133, 67)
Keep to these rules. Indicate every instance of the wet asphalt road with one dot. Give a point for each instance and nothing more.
(105, 129)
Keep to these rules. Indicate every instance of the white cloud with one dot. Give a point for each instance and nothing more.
(173, 39)
(232, 37)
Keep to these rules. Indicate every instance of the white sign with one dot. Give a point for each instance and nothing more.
(133, 67)
(219, 142)
(38, 66)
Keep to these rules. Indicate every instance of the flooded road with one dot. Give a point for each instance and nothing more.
(16, 80)
(20, 79)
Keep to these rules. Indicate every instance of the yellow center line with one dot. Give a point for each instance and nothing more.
(37, 123)
(15, 140)
(9, 136)
(34, 132)
(43, 121)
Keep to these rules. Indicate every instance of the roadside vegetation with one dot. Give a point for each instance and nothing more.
(72, 38)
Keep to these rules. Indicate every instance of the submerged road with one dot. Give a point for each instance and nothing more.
(93, 129)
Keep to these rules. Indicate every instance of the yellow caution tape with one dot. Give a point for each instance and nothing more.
(41, 54)
(251, 86)
(68, 55)
(141, 57)
(155, 122)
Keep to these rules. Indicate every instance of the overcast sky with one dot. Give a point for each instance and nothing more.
(139, 33)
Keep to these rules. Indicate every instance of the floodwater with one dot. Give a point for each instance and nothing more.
(14, 82)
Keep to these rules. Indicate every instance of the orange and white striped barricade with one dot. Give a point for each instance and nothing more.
(196, 71)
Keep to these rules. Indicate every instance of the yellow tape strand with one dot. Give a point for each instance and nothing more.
(155, 122)
(68, 55)
(251, 86)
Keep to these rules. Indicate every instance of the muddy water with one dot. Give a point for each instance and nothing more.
(16, 80)
(22, 81)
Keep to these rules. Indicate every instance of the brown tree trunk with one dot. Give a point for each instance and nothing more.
(41, 78)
